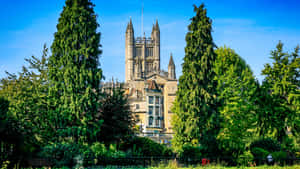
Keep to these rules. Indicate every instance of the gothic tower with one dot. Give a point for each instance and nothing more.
(142, 55)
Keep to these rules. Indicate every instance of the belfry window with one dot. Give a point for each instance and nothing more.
(138, 51)
(149, 51)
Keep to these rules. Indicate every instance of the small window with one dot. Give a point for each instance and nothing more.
(156, 100)
(137, 106)
(157, 110)
(157, 122)
(150, 110)
(150, 121)
(150, 99)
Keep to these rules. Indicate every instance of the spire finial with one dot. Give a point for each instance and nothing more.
(156, 25)
(129, 25)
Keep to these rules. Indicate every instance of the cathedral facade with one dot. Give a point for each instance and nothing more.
(151, 91)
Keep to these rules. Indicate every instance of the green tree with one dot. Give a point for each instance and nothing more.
(74, 72)
(118, 121)
(195, 119)
(237, 90)
(11, 140)
(280, 95)
(27, 94)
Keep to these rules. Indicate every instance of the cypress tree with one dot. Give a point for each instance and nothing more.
(74, 71)
(195, 107)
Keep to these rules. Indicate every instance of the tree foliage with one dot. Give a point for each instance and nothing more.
(10, 139)
(74, 72)
(280, 95)
(27, 94)
(237, 91)
(116, 115)
(195, 117)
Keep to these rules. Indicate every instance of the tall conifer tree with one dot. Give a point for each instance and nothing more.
(195, 108)
(74, 71)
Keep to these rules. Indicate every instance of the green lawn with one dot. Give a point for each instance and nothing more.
(212, 167)
(220, 167)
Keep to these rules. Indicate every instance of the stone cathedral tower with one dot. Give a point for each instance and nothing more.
(142, 55)
(151, 91)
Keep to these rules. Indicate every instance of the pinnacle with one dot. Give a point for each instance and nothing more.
(171, 62)
(130, 26)
(156, 25)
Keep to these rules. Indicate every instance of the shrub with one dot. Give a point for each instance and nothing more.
(267, 144)
(98, 150)
(279, 157)
(245, 159)
(190, 151)
(62, 154)
(142, 146)
(259, 153)
(167, 152)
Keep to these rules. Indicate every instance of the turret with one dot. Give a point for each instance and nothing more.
(129, 51)
(155, 35)
(171, 69)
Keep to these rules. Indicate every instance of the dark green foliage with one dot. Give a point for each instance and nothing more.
(11, 140)
(118, 121)
(74, 72)
(62, 154)
(267, 144)
(280, 157)
(195, 118)
(4, 104)
(142, 146)
(190, 151)
(259, 155)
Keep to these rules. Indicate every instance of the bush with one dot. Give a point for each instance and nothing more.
(259, 155)
(98, 150)
(245, 159)
(267, 144)
(62, 154)
(279, 157)
(142, 146)
(190, 151)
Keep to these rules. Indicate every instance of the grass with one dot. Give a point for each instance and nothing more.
(174, 165)
(221, 167)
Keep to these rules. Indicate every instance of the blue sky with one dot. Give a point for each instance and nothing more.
(251, 27)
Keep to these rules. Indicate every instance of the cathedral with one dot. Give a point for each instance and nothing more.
(151, 91)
